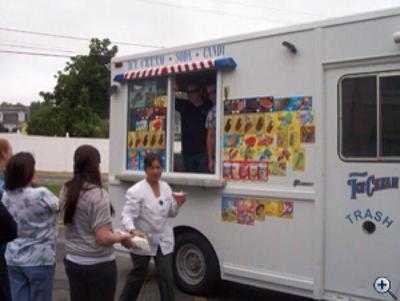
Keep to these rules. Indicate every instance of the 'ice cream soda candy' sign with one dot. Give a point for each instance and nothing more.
(182, 56)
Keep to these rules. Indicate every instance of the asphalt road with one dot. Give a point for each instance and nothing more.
(228, 291)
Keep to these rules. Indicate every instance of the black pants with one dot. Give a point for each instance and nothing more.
(136, 277)
(4, 283)
(95, 282)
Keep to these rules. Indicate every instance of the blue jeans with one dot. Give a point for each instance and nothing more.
(31, 283)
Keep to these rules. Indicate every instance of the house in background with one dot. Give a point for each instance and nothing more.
(12, 117)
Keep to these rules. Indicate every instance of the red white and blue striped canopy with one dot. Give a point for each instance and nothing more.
(193, 66)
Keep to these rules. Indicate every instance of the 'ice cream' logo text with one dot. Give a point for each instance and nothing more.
(361, 183)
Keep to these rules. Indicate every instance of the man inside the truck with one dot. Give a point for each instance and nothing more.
(210, 126)
(194, 135)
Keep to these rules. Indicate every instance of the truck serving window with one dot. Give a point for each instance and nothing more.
(147, 112)
(192, 147)
(195, 123)
(370, 123)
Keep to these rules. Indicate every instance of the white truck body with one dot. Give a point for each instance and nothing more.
(321, 250)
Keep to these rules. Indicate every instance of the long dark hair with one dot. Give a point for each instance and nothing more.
(86, 171)
(19, 171)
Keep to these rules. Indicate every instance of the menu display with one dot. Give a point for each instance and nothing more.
(263, 136)
(147, 111)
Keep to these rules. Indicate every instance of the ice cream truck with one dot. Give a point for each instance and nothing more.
(302, 194)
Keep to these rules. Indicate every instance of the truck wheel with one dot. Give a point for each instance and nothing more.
(196, 267)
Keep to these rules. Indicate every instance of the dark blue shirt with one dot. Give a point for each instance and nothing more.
(8, 227)
(194, 133)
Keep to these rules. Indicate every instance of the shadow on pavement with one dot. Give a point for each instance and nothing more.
(234, 292)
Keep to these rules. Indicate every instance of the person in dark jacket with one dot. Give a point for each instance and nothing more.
(8, 227)
(194, 133)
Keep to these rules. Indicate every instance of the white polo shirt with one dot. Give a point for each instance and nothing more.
(145, 212)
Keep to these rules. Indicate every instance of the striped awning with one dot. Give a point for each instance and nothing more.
(209, 64)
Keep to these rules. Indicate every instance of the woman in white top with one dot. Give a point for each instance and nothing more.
(149, 204)
(89, 236)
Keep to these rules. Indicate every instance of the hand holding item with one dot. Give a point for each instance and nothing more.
(180, 197)
(141, 243)
(135, 239)
(137, 232)
(128, 243)
(124, 238)
(136, 242)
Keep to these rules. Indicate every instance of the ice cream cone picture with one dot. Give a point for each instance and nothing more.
(298, 160)
(308, 134)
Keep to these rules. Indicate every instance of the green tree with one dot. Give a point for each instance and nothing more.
(44, 120)
(79, 104)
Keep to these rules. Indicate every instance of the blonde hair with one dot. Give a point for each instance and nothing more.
(5, 146)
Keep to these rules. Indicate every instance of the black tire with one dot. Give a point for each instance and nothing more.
(195, 275)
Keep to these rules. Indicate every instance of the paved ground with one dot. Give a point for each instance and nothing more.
(228, 291)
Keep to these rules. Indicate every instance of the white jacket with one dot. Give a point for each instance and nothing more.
(143, 211)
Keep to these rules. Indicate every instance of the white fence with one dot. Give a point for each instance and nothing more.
(55, 154)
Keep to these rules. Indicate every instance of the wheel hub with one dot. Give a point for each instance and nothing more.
(191, 264)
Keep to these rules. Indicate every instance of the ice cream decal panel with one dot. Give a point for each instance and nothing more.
(265, 136)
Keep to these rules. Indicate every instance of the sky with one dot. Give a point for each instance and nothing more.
(157, 23)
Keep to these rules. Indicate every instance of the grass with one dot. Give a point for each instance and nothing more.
(54, 188)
